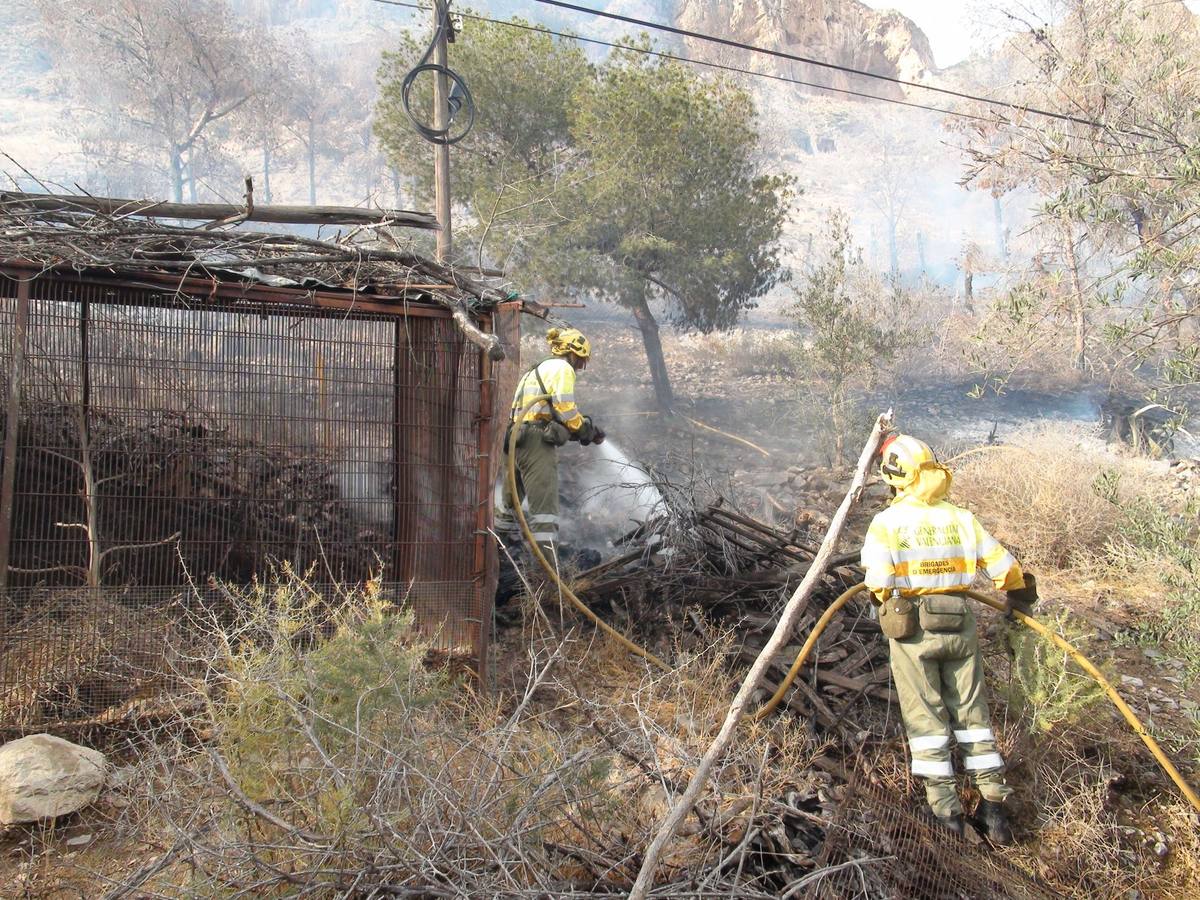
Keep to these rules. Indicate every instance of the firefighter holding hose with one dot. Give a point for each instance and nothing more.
(919, 555)
(544, 428)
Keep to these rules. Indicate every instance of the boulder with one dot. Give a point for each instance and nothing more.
(42, 776)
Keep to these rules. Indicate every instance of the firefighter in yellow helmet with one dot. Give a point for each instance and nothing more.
(545, 427)
(919, 555)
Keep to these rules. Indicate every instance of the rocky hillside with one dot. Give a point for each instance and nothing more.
(844, 32)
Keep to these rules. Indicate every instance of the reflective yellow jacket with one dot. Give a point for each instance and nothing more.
(922, 544)
(559, 378)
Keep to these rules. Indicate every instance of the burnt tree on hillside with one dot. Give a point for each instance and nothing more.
(153, 78)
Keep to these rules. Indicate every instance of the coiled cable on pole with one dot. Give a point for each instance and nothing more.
(458, 90)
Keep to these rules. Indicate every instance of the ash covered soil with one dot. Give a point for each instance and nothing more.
(790, 483)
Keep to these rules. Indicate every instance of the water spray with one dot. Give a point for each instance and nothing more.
(550, 570)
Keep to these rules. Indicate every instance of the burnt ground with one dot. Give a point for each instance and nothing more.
(790, 484)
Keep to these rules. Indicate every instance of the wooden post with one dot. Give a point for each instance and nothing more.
(11, 426)
(485, 437)
(783, 632)
(441, 120)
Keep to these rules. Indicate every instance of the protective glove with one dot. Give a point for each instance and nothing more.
(1022, 599)
(586, 433)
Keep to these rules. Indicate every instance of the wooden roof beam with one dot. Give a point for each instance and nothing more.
(209, 212)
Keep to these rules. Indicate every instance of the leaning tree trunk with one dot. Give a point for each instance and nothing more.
(663, 394)
(1078, 312)
(789, 618)
(176, 175)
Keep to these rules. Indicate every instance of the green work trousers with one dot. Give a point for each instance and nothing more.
(939, 678)
(537, 485)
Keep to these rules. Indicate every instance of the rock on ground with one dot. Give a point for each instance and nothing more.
(42, 776)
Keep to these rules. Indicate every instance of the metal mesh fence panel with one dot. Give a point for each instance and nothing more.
(166, 438)
(879, 847)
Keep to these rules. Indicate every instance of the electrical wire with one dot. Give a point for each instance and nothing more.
(459, 90)
(661, 54)
(793, 57)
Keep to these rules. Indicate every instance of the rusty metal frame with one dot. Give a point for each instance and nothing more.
(236, 291)
(149, 289)
(483, 513)
(17, 370)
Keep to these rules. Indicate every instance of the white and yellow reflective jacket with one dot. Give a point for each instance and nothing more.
(558, 376)
(922, 544)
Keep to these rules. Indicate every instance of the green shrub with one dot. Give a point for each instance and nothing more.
(1153, 537)
(301, 671)
(1044, 686)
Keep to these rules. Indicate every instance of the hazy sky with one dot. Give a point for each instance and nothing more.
(954, 27)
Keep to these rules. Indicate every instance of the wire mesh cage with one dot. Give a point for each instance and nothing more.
(878, 846)
(157, 437)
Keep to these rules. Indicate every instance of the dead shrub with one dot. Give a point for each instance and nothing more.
(340, 765)
(1048, 499)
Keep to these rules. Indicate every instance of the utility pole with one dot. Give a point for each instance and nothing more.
(441, 120)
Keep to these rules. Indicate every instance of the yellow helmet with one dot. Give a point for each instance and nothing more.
(902, 457)
(568, 340)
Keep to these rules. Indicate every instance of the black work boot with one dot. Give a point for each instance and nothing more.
(994, 822)
(951, 823)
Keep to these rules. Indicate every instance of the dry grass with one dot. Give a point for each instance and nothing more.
(347, 759)
(1096, 837)
(1050, 497)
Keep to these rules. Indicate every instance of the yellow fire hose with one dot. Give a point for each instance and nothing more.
(515, 500)
(767, 708)
(1028, 622)
(726, 434)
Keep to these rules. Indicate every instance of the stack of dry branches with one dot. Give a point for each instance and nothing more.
(174, 497)
(727, 569)
(81, 232)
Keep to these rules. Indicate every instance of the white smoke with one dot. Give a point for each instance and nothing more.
(605, 492)
(602, 494)
(361, 474)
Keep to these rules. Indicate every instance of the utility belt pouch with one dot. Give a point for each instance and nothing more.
(943, 614)
(898, 618)
(555, 434)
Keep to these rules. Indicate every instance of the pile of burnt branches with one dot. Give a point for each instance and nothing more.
(711, 566)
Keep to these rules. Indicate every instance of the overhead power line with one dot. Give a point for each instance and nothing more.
(661, 54)
(866, 95)
(783, 54)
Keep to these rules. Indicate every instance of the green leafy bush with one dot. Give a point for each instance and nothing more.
(1044, 685)
(1151, 536)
